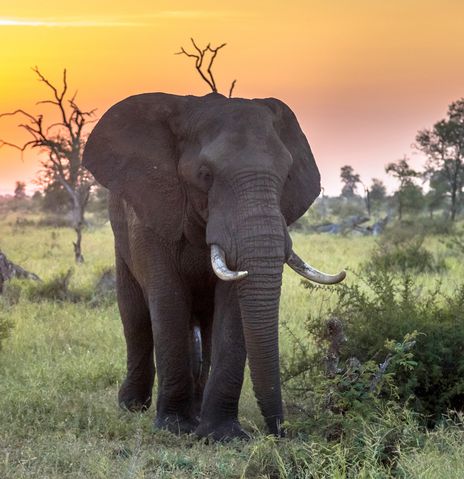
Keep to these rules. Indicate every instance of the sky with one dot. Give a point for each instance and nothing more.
(362, 76)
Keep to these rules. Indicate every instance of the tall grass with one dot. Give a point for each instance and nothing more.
(61, 366)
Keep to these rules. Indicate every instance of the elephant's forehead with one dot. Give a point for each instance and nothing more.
(235, 116)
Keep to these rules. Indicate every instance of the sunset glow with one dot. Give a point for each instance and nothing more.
(362, 76)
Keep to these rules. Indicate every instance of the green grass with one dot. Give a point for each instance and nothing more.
(61, 367)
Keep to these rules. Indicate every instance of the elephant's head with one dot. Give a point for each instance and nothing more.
(228, 173)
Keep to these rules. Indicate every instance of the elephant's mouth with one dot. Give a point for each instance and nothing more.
(221, 270)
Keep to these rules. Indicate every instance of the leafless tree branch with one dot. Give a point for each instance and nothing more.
(200, 57)
(64, 148)
(232, 88)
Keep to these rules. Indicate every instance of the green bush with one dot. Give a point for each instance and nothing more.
(60, 288)
(401, 250)
(380, 312)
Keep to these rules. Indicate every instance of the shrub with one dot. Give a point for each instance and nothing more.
(381, 311)
(401, 250)
(56, 289)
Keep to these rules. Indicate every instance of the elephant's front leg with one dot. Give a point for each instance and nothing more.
(171, 314)
(219, 411)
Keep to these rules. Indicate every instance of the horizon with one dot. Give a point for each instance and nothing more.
(362, 78)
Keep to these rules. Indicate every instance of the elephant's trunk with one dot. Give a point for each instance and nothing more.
(261, 245)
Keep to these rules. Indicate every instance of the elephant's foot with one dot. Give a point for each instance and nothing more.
(132, 399)
(176, 424)
(224, 431)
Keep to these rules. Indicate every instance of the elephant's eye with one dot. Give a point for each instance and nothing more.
(205, 177)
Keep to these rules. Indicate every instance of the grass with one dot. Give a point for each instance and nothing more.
(61, 367)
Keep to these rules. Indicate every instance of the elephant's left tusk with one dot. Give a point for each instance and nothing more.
(218, 261)
(308, 272)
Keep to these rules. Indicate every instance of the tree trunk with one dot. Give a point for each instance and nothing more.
(77, 244)
(368, 202)
(453, 205)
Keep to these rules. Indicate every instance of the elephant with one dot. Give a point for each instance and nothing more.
(201, 191)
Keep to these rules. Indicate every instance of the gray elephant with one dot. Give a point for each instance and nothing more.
(201, 192)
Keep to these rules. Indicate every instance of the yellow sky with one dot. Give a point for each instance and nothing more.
(362, 75)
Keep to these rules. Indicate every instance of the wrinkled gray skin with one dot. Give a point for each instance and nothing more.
(185, 173)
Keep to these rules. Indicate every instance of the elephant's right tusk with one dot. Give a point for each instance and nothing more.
(218, 261)
(308, 272)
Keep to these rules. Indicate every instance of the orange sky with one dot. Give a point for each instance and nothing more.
(362, 75)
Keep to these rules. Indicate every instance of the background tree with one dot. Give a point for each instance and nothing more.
(407, 192)
(55, 199)
(444, 147)
(204, 59)
(20, 190)
(377, 193)
(438, 191)
(350, 181)
(62, 142)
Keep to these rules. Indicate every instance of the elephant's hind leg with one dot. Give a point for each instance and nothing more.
(136, 390)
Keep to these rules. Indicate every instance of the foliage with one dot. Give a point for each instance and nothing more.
(381, 308)
(444, 147)
(377, 193)
(59, 288)
(20, 190)
(98, 203)
(350, 181)
(403, 255)
(55, 199)
(408, 193)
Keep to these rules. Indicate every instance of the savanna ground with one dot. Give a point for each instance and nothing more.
(61, 366)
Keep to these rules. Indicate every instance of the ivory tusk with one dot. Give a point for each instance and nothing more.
(308, 272)
(218, 261)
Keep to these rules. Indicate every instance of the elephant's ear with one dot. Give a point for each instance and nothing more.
(132, 152)
(303, 185)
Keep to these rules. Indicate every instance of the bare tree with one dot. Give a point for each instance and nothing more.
(201, 55)
(63, 143)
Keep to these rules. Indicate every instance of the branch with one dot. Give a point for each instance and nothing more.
(208, 77)
(232, 88)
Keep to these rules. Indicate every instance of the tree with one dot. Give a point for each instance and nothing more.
(55, 199)
(63, 143)
(201, 56)
(350, 181)
(436, 196)
(444, 147)
(20, 190)
(407, 190)
(377, 192)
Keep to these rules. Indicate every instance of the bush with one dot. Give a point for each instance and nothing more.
(59, 288)
(380, 312)
(402, 250)
(55, 289)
